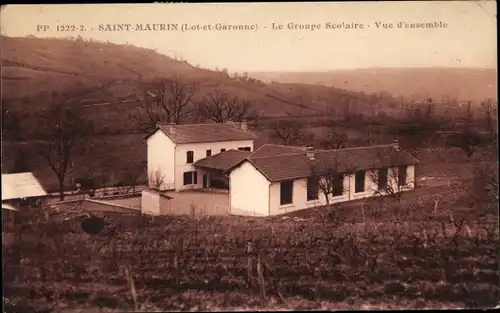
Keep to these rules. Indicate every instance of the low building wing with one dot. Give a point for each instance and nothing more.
(224, 160)
(21, 185)
(293, 165)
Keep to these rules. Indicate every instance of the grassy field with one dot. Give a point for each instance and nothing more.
(438, 248)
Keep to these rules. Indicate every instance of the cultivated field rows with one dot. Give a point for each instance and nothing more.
(322, 259)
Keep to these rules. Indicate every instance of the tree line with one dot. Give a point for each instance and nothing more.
(67, 132)
(172, 100)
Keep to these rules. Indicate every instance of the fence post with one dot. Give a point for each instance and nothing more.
(260, 272)
(131, 285)
(250, 261)
(178, 252)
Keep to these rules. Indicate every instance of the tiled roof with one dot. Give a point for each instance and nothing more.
(298, 165)
(224, 160)
(21, 185)
(193, 133)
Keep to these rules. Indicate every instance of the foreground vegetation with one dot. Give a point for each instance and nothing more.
(434, 251)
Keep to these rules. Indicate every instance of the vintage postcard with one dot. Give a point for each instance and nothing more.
(249, 156)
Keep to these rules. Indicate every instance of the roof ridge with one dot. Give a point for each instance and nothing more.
(274, 145)
(232, 149)
(258, 149)
(316, 150)
(199, 124)
(196, 124)
(356, 148)
(280, 145)
(275, 156)
(232, 126)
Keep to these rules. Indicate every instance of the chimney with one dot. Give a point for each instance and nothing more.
(310, 153)
(171, 128)
(395, 144)
(244, 125)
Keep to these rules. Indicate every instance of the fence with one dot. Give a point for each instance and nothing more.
(107, 192)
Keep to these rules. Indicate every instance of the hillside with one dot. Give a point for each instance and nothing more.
(414, 83)
(32, 67)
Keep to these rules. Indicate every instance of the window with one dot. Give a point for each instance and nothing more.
(209, 152)
(402, 175)
(190, 178)
(338, 186)
(382, 178)
(245, 149)
(189, 157)
(359, 181)
(312, 188)
(286, 192)
(222, 150)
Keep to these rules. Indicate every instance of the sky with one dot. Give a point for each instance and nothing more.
(469, 40)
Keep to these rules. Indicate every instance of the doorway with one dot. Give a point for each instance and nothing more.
(205, 181)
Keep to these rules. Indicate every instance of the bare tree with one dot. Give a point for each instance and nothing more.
(220, 107)
(166, 100)
(488, 109)
(98, 163)
(485, 184)
(328, 180)
(11, 123)
(65, 130)
(430, 108)
(469, 116)
(468, 141)
(335, 139)
(21, 163)
(289, 132)
(131, 176)
(156, 179)
(389, 181)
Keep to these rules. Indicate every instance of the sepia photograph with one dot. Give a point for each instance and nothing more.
(287, 156)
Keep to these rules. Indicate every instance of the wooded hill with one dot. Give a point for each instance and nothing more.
(464, 84)
(32, 68)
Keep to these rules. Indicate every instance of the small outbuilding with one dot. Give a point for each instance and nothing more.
(20, 191)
